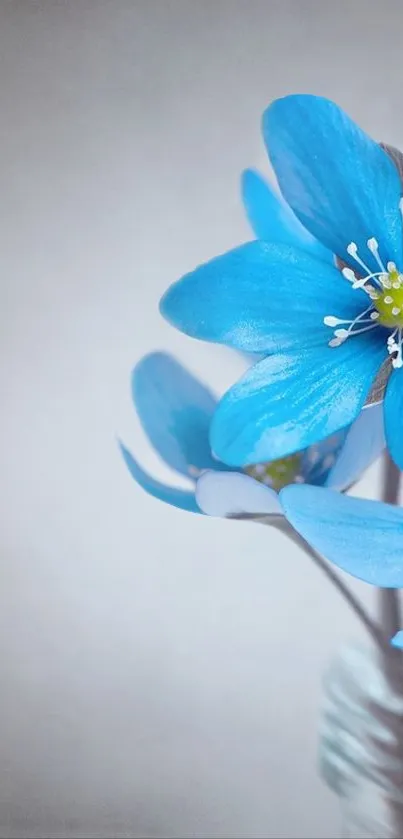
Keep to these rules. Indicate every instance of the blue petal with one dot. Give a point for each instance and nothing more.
(393, 408)
(271, 218)
(261, 297)
(364, 442)
(342, 186)
(175, 411)
(231, 493)
(397, 640)
(175, 497)
(285, 403)
(364, 538)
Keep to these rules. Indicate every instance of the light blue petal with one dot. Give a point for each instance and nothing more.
(364, 442)
(397, 640)
(393, 407)
(342, 186)
(231, 493)
(175, 410)
(285, 403)
(262, 297)
(170, 495)
(271, 218)
(364, 538)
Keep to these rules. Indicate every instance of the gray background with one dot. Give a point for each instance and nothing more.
(160, 673)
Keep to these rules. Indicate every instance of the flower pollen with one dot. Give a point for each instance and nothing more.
(278, 473)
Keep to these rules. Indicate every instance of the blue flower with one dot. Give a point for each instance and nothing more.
(176, 410)
(326, 319)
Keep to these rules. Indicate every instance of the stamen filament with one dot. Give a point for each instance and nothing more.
(353, 251)
(361, 281)
(372, 246)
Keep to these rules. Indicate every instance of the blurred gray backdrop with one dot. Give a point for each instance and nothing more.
(160, 673)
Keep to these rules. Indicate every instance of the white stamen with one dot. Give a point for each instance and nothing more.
(299, 479)
(365, 329)
(372, 245)
(341, 335)
(329, 320)
(375, 284)
(361, 281)
(348, 273)
(353, 251)
(397, 362)
(395, 347)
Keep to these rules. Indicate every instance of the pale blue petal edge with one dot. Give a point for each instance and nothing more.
(272, 219)
(231, 493)
(170, 495)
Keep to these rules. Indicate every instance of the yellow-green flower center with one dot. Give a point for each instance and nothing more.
(389, 301)
(278, 473)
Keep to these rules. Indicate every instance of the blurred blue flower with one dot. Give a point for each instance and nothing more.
(176, 410)
(326, 317)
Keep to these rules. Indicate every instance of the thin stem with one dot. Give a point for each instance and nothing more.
(392, 660)
(342, 588)
(281, 523)
(389, 602)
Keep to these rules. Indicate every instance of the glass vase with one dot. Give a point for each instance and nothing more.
(361, 741)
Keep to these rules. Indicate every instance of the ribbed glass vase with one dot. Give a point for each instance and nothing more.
(361, 741)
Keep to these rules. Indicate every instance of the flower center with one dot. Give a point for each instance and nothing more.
(385, 291)
(389, 302)
(278, 473)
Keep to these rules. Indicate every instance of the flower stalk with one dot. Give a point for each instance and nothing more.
(389, 606)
